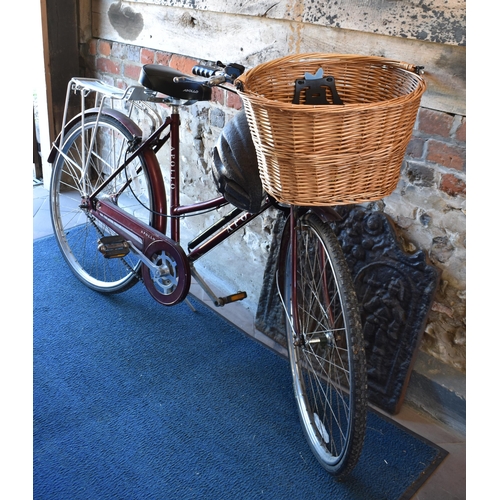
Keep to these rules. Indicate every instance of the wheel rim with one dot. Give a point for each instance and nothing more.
(321, 367)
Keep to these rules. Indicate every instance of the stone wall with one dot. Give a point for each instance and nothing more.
(428, 205)
(429, 208)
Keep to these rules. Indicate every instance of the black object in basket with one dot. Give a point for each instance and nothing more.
(316, 90)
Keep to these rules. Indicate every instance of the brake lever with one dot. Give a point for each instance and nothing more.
(216, 80)
(211, 82)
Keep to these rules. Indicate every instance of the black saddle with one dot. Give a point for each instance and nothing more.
(161, 79)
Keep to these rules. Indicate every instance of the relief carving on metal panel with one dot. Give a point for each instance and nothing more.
(395, 290)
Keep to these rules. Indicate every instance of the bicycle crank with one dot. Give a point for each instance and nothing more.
(165, 267)
(166, 276)
(218, 301)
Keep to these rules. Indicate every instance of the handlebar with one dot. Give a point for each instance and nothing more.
(229, 71)
(216, 75)
(205, 71)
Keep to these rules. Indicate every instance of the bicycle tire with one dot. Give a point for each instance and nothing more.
(326, 348)
(77, 232)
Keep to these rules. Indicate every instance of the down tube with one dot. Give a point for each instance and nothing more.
(224, 233)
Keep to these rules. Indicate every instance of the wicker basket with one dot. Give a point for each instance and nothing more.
(331, 154)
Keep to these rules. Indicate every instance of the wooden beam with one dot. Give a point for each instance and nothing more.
(84, 20)
(61, 54)
(251, 40)
(441, 21)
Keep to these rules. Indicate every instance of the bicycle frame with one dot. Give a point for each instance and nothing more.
(109, 213)
(141, 237)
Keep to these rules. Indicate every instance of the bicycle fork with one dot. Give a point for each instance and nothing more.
(290, 250)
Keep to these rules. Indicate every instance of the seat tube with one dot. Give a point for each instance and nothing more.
(174, 173)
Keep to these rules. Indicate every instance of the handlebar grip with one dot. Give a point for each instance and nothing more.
(204, 71)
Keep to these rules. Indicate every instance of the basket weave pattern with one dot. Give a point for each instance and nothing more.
(331, 154)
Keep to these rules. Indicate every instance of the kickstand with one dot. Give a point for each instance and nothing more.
(189, 303)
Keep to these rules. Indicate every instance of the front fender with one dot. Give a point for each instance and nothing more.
(131, 126)
(326, 214)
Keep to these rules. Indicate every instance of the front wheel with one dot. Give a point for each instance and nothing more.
(325, 347)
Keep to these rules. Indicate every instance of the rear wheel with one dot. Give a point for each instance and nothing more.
(85, 161)
(326, 348)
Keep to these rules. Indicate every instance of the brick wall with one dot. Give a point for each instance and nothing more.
(437, 151)
(428, 205)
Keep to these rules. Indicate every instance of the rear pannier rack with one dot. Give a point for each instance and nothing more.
(106, 94)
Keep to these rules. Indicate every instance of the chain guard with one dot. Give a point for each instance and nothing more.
(170, 284)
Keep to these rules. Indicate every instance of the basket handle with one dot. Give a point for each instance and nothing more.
(419, 70)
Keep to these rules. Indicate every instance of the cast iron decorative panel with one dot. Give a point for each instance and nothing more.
(395, 290)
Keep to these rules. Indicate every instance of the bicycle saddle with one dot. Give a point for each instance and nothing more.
(161, 79)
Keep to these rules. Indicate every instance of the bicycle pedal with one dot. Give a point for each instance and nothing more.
(113, 247)
(232, 298)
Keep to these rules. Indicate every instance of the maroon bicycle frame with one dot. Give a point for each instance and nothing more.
(214, 236)
(124, 224)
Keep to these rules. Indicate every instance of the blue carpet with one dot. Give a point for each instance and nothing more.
(133, 400)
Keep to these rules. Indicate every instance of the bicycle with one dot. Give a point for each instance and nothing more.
(116, 223)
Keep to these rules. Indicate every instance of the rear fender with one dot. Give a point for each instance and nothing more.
(131, 126)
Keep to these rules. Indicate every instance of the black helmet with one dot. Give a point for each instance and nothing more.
(235, 166)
